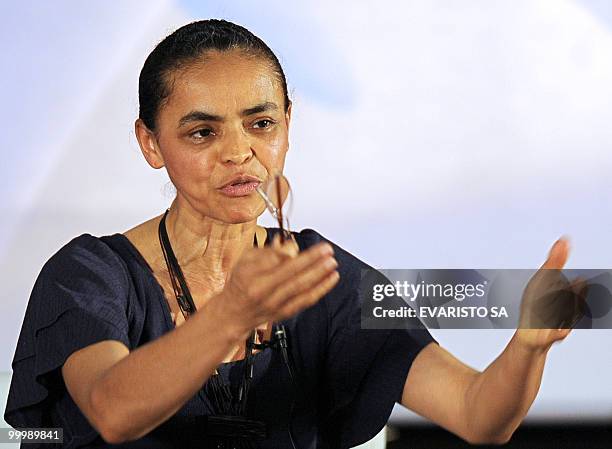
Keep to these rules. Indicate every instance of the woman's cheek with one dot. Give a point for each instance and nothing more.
(273, 155)
(191, 170)
(200, 171)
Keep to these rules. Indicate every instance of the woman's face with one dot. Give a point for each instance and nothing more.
(224, 119)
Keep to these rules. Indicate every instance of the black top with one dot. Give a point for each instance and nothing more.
(101, 288)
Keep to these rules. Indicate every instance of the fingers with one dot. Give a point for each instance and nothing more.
(263, 259)
(291, 268)
(269, 257)
(562, 333)
(292, 274)
(558, 254)
(580, 288)
(309, 297)
(276, 281)
(289, 248)
(304, 281)
(551, 301)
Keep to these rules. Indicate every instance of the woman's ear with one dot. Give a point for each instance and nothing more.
(288, 114)
(148, 144)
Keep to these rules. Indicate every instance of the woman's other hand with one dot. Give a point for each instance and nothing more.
(551, 304)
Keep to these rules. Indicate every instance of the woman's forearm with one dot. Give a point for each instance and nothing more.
(153, 382)
(149, 385)
(500, 396)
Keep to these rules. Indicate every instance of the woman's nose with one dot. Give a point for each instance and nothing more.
(237, 149)
(238, 157)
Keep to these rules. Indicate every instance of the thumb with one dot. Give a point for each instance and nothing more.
(558, 254)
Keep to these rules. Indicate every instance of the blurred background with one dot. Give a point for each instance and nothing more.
(425, 134)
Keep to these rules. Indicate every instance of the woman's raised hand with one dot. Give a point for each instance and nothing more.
(551, 304)
(276, 282)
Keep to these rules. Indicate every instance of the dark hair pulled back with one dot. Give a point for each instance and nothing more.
(186, 45)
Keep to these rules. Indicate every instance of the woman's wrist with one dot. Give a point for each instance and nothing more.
(228, 326)
(526, 341)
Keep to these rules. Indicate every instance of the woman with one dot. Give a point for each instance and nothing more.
(112, 350)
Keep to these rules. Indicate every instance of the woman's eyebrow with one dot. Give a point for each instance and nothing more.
(201, 116)
(262, 107)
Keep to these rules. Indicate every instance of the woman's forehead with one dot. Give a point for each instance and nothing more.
(224, 83)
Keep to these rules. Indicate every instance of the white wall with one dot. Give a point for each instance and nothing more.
(425, 134)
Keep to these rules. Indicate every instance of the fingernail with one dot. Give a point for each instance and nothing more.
(331, 263)
(327, 249)
(563, 239)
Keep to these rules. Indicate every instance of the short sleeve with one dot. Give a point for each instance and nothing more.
(366, 369)
(78, 299)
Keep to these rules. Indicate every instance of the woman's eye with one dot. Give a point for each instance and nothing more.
(265, 123)
(202, 133)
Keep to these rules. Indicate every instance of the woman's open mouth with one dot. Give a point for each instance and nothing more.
(241, 186)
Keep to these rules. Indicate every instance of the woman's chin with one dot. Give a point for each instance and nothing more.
(241, 216)
(231, 212)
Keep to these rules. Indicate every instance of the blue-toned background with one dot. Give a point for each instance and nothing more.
(430, 134)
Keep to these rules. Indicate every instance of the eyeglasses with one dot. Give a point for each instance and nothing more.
(276, 193)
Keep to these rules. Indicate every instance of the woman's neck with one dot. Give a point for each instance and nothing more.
(206, 244)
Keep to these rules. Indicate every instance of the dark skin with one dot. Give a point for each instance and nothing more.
(203, 139)
(237, 287)
(226, 115)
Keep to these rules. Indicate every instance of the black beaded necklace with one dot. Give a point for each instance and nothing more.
(228, 427)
